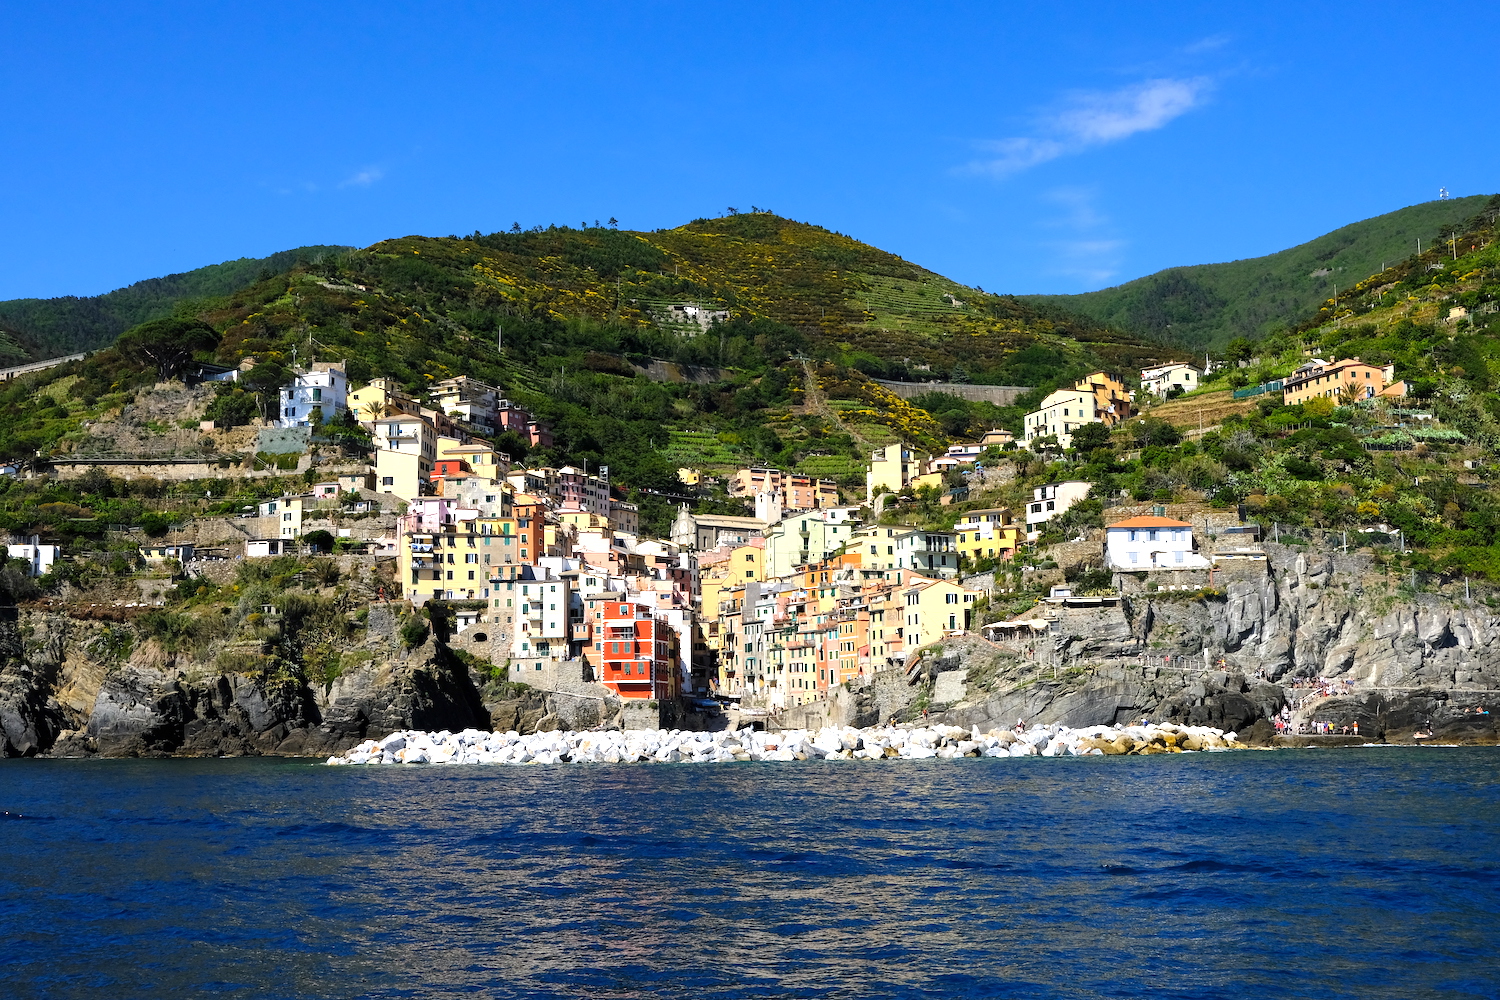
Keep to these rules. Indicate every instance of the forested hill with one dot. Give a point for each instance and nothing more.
(871, 309)
(1207, 305)
(40, 328)
(779, 326)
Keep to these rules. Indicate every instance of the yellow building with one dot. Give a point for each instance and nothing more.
(933, 480)
(380, 398)
(744, 563)
(987, 534)
(1111, 397)
(483, 461)
(1096, 398)
(400, 473)
(891, 468)
(932, 608)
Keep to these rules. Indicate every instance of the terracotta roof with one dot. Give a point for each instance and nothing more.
(1149, 522)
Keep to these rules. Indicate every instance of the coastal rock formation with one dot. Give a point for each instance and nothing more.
(142, 709)
(65, 692)
(30, 716)
(1321, 636)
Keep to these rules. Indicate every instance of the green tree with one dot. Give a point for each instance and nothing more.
(166, 344)
(319, 541)
(1089, 437)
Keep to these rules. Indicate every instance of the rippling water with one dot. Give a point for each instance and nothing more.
(1358, 873)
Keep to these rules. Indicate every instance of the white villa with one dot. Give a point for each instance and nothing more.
(1160, 381)
(1147, 543)
(1049, 501)
(324, 390)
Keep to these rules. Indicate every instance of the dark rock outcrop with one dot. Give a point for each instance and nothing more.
(30, 717)
(144, 711)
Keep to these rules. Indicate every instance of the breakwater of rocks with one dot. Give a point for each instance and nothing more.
(661, 746)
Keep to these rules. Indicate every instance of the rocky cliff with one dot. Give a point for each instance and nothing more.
(72, 685)
(1324, 636)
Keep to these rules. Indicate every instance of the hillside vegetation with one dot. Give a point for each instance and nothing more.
(45, 328)
(1417, 478)
(808, 316)
(1205, 306)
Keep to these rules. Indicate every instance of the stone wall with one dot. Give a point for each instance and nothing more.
(1000, 395)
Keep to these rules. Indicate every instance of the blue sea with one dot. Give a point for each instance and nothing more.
(1310, 873)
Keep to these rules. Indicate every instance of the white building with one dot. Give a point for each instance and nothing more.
(39, 557)
(1148, 543)
(930, 553)
(1049, 501)
(542, 614)
(1160, 381)
(324, 390)
(259, 548)
(468, 400)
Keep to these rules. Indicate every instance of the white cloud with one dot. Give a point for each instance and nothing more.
(1209, 44)
(1093, 262)
(1088, 251)
(363, 178)
(1093, 118)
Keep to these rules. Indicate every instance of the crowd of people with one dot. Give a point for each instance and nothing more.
(1314, 727)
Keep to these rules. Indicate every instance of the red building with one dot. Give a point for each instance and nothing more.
(634, 651)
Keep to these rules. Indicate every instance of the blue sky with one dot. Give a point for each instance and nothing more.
(1022, 148)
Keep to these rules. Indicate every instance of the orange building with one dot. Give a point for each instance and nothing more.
(635, 651)
(530, 519)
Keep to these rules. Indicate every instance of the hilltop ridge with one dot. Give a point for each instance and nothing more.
(1204, 306)
(46, 327)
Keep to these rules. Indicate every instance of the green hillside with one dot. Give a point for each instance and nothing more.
(51, 327)
(808, 317)
(1207, 305)
(16, 348)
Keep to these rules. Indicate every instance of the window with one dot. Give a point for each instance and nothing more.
(1178, 554)
(1135, 557)
(387, 480)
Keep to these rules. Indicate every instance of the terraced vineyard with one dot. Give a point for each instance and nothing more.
(701, 450)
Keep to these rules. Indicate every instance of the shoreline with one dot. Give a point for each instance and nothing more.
(828, 743)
